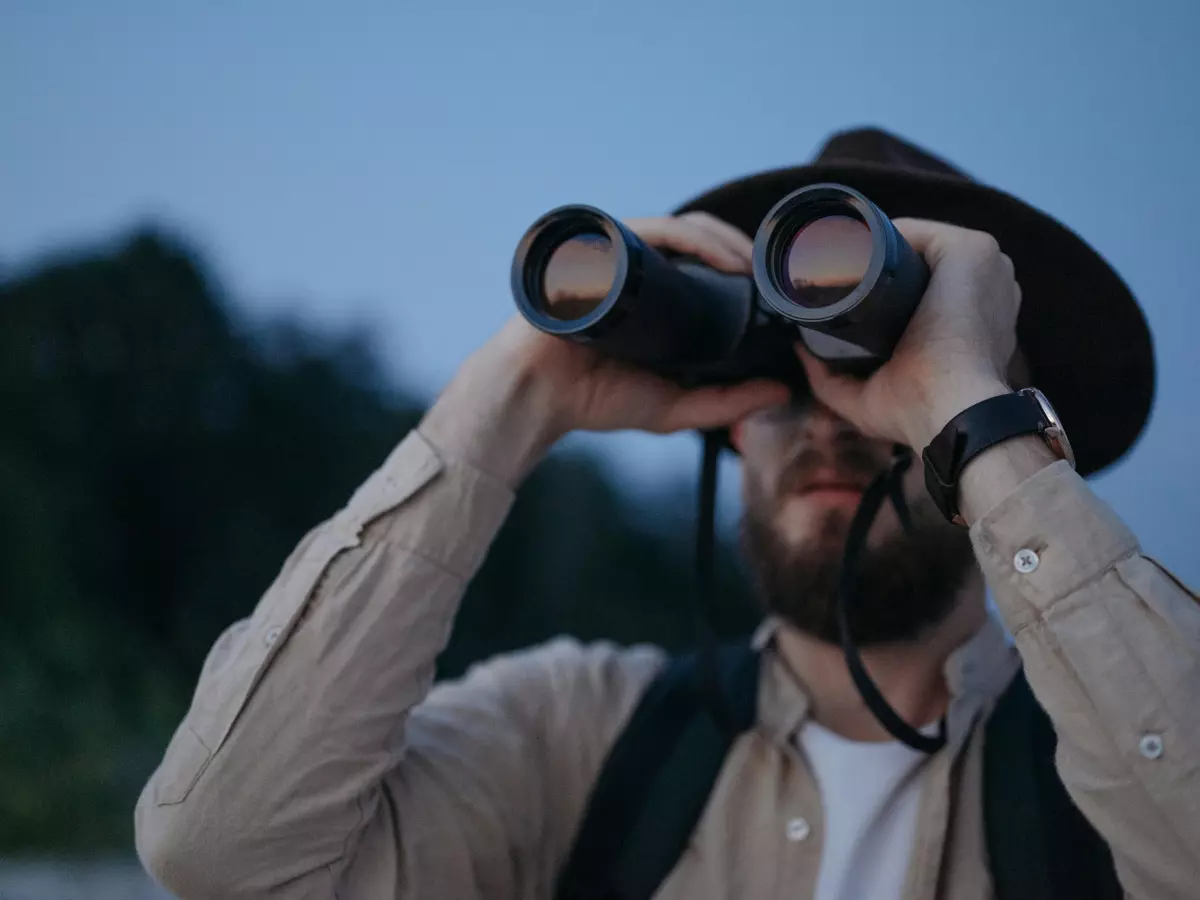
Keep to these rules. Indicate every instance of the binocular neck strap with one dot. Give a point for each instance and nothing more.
(886, 485)
(708, 667)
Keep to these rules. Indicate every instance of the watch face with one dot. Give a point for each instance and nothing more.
(1055, 434)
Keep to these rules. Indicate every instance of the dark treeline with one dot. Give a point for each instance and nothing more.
(159, 458)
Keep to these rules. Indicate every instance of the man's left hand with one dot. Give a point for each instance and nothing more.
(955, 351)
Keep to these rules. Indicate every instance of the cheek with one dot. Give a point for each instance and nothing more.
(887, 525)
(762, 440)
(916, 493)
(760, 475)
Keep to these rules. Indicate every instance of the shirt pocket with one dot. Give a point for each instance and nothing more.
(189, 758)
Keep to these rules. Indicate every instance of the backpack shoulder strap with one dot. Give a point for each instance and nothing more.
(656, 779)
(1040, 846)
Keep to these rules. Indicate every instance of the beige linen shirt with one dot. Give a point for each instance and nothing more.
(318, 761)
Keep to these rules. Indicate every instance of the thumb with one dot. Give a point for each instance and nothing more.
(717, 407)
(840, 393)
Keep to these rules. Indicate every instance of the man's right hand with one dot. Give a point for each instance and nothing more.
(523, 390)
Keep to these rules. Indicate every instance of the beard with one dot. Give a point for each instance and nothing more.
(905, 583)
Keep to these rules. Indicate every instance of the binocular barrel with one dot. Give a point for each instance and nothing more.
(828, 268)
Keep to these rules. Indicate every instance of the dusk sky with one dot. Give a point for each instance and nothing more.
(375, 163)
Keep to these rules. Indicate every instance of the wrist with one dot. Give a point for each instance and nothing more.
(998, 471)
(951, 395)
(498, 419)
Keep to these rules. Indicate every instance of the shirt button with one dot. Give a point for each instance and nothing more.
(272, 636)
(1151, 746)
(797, 829)
(1025, 561)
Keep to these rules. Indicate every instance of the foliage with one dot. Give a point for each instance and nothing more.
(160, 457)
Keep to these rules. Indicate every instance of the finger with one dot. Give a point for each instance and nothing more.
(691, 239)
(717, 407)
(934, 239)
(733, 238)
(840, 393)
(926, 237)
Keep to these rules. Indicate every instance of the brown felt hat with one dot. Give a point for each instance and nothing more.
(1080, 329)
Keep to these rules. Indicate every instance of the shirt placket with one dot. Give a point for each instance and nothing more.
(799, 829)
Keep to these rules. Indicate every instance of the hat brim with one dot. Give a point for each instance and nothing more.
(1085, 339)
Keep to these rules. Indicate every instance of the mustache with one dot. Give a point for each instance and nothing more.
(854, 461)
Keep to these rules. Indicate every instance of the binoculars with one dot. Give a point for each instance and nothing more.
(830, 269)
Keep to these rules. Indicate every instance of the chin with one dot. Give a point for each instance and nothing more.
(811, 531)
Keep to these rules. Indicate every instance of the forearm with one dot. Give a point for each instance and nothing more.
(1109, 640)
(1111, 646)
(294, 725)
(499, 419)
(998, 471)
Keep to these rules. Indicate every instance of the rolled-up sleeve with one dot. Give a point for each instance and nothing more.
(1111, 646)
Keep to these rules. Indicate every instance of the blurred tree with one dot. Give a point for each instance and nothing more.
(187, 456)
(159, 458)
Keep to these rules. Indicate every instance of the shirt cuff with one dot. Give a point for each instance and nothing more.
(1047, 539)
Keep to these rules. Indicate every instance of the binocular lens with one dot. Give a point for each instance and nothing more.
(826, 260)
(827, 267)
(578, 276)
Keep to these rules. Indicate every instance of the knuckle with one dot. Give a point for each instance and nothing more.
(715, 225)
(685, 242)
(641, 222)
(981, 243)
(674, 233)
(648, 228)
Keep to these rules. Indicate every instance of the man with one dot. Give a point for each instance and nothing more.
(316, 760)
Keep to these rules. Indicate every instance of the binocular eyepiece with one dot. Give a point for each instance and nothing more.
(829, 268)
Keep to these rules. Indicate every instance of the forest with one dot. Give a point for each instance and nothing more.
(160, 455)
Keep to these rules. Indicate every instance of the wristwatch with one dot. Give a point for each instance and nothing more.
(983, 425)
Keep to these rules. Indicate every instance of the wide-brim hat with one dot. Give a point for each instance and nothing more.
(1082, 333)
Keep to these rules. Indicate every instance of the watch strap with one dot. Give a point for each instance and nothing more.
(968, 434)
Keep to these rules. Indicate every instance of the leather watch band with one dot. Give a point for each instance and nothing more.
(970, 433)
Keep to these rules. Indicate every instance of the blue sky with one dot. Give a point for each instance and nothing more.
(376, 162)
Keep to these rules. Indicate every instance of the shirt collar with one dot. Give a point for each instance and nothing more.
(782, 702)
(977, 672)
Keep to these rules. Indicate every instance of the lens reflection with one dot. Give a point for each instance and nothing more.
(578, 276)
(827, 259)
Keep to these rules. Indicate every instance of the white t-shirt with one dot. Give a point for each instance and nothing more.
(870, 793)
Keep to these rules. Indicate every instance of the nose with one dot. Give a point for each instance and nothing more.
(821, 425)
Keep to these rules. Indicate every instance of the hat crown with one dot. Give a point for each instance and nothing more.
(878, 147)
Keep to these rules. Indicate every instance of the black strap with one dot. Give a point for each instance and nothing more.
(886, 485)
(708, 668)
(1040, 846)
(970, 433)
(657, 779)
(662, 769)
